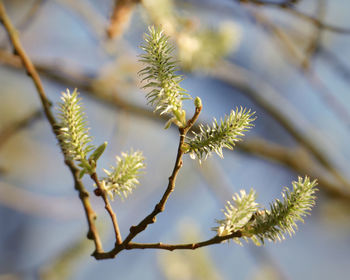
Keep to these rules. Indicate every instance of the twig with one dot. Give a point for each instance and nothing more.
(214, 175)
(121, 16)
(316, 38)
(108, 207)
(28, 18)
(189, 246)
(170, 247)
(31, 71)
(280, 4)
(289, 7)
(134, 230)
(31, 14)
(159, 207)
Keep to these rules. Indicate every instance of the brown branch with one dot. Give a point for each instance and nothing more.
(189, 246)
(159, 207)
(108, 207)
(28, 18)
(280, 4)
(151, 218)
(170, 247)
(288, 7)
(122, 12)
(31, 15)
(31, 71)
(316, 37)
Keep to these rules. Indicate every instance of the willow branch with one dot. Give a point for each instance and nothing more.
(280, 4)
(188, 246)
(159, 207)
(33, 74)
(151, 218)
(108, 207)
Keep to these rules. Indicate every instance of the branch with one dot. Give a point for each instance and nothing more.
(151, 218)
(31, 71)
(280, 4)
(102, 192)
(315, 42)
(189, 246)
(289, 7)
(159, 207)
(121, 16)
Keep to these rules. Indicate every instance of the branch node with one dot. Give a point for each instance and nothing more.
(97, 192)
(132, 229)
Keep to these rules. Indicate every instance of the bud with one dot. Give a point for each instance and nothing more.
(198, 102)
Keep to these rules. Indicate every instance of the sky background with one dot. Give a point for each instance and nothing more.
(42, 224)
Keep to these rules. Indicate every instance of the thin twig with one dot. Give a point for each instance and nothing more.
(280, 4)
(134, 230)
(108, 207)
(289, 7)
(159, 207)
(31, 71)
(316, 37)
(28, 18)
(189, 246)
(31, 15)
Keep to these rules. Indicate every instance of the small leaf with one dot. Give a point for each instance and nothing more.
(98, 152)
(82, 173)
